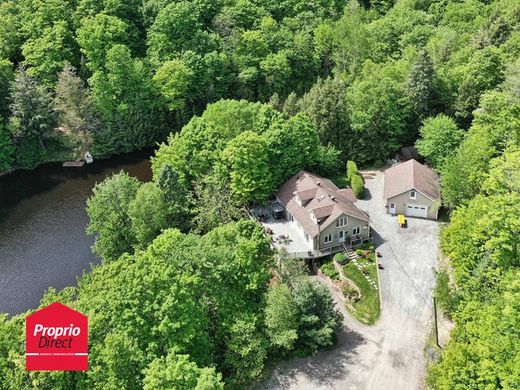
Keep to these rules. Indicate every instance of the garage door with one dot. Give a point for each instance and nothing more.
(416, 210)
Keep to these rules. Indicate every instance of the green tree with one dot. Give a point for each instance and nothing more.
(176, 196)
(6, 149)
(148, 213)
(292, 145)
(318, 319)
(440, 138)
(358, 186)
(31, 108)
(351, 40)
(483, 72)
(6, 79)
(76, 117)
(126, 99)
(495, 122)
(484, 351)
(484, 236)
(177, 28)
(326, 105)
(97, 35)
(246, 350)
(420, 84)
(173, 79)
(46, 55)
(352, 170)
(277, 71)
(290, 106)
(504, 173)
(281, 317)
(379, 113)
(178, 372)
(108, 210)
(247, 159)
(10, 34)
(214, 203)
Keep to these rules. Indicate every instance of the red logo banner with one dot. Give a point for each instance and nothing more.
(56, 339)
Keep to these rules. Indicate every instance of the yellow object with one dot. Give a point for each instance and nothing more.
(400, 219)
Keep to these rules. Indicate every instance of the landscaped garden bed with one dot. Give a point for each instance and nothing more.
(363, 273)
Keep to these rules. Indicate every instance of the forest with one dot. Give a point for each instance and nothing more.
(240, 94)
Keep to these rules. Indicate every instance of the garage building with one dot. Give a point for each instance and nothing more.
(412, 189)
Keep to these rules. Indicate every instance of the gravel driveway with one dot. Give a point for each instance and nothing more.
(388, 355)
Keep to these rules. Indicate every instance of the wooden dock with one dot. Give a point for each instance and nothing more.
(73, 164)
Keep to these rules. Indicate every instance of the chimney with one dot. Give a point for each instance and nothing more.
(318, 183)
(332, 198)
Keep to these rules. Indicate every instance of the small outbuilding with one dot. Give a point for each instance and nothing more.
(412, 189)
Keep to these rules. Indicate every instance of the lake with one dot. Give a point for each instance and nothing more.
(42, 226)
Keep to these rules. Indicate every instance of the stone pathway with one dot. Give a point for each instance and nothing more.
(367, 277)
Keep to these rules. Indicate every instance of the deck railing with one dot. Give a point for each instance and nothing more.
(330, 250)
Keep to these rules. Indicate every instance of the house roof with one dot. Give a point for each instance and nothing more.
(327, 204)
(411, 175)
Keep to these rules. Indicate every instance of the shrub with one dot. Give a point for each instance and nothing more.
(352, 170)
(341, 258)
(330, 270)
(358, 186)
(447, 299)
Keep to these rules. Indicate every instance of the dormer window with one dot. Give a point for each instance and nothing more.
(413, 194)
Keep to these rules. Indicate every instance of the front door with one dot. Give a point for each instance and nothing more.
(341, 236)
(392, 208)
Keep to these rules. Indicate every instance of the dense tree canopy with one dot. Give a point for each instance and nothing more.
(344, 81)
(366, 73)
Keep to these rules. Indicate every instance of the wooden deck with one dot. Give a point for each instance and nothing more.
(73, 164)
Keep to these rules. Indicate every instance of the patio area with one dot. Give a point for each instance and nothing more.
(284, 233)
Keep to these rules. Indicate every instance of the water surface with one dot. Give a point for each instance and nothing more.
(42, 226)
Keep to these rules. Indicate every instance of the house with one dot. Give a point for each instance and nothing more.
(324, 215)
(412, 189)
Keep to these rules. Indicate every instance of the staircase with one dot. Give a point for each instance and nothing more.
(351, 255)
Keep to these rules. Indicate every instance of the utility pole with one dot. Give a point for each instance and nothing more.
(435, 321)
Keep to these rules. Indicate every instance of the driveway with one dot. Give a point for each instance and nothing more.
(388, 355)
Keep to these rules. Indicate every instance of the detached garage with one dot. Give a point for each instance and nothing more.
(412, 189)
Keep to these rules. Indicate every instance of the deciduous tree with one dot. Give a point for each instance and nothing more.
(440, 138)
(108, 210)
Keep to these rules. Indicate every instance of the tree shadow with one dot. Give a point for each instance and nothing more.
(323, 368)
(368, 194)
(378, 239)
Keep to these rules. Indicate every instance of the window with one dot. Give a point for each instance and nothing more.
(340, 222)
(413, 194)
(392, 205)
(327, 238)
(306, 236)
(356, 231)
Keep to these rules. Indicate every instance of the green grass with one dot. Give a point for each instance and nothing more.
(368, 309)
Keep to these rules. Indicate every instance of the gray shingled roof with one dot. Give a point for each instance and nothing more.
(328, 203)
(411, 175)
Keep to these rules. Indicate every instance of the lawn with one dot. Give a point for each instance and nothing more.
(368, 309)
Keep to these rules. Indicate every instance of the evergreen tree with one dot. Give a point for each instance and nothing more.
(32, 110)
(75, 110)
(420, 85)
